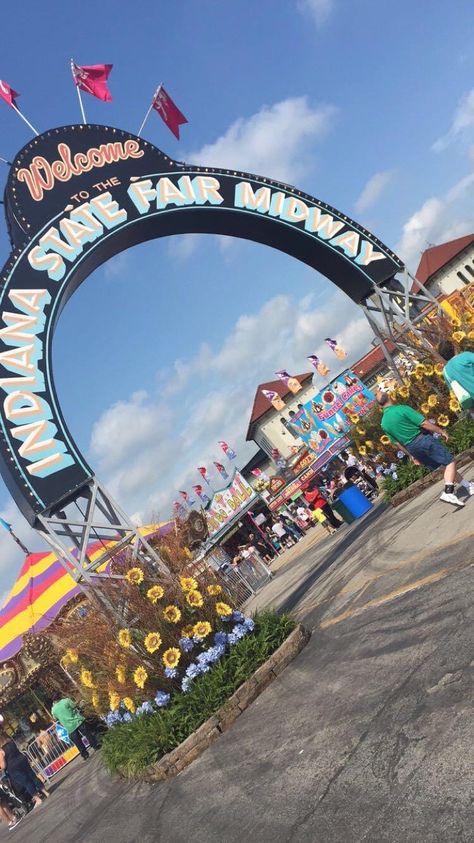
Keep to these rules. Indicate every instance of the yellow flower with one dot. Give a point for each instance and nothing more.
(425, 408)
(470, 335)
(134, 576)
(72, 655)
(155, 593)
(172, 614)
(202, 629)
(187, 631)
(171, 657)
(114, 700)
(458, 336)
(188, 583)
(455, 321)
(385, 440)
(125, 638)
(442, 420)
(223, 610)
(140, 676)
(432, 400)
(195, 599)
(403, 391)
(152, 642)
(428, 369)
(354, 418)
(454, 405)
(369, 443)
(86, 678)
(419, 369)
(120, 674)
(362, 450)
(360, 430)
(129, 704)
(439, 368)
(95, 699)
(214, 590)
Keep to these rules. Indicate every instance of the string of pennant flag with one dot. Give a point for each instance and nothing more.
(292, 384)
(180, 507)
(93, 79)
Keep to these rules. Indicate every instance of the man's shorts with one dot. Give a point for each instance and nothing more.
(429, 451)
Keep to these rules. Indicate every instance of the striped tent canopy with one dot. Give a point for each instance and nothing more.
(41, 590)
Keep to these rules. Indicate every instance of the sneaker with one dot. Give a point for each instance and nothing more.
(450, 497)
(14, 823)
(468, 487)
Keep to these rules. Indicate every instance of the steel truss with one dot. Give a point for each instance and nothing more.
(393, 311)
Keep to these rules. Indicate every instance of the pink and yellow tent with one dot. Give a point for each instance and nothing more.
(41, 590)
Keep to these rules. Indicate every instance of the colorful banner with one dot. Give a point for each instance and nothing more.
(228, 502)
(326, 417)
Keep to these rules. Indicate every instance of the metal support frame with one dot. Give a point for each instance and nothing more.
(389, 313)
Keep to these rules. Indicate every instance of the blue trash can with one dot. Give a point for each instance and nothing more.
(355, 501)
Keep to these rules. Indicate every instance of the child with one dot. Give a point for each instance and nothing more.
(318, 515)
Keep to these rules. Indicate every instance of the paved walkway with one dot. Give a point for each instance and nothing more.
(367, 736)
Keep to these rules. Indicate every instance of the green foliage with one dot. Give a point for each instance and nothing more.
(461, 436)
(131, 747)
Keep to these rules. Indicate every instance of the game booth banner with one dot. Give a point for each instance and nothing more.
(323, 420)
(229, 503)
(284, 493)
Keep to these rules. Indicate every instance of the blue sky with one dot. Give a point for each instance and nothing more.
(368, 106)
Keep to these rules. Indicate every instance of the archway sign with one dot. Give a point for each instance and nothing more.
(76, 196)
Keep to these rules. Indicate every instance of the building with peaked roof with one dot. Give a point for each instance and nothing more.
(447, 267)
(269, 428)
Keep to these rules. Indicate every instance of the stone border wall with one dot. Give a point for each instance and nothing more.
(424, 482)
(190, 749)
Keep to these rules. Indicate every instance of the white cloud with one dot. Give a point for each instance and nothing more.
(11, 556)
(462, 121)
(373, 190)
(318, 10)
(438, 220)
(275, 142)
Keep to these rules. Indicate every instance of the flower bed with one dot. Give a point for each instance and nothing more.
(160, 724)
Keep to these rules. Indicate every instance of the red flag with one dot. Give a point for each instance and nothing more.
(203, 472)
(8, 94)
(92, 78)
(168, 111)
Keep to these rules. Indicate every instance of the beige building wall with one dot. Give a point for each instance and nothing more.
(270, 433)
(455, 275)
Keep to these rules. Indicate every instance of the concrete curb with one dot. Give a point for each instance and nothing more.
(190, 749)
(429, 480)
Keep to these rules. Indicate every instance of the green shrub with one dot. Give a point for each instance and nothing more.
(132, 746)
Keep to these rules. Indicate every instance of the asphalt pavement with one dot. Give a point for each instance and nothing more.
(366, 736)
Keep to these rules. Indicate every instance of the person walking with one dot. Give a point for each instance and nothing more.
(459, 373)
(20, 771)
(414, 435)
(67, 713)
(291, 527)
(316, 499)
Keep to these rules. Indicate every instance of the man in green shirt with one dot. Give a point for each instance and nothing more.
(414, 435)
(66, 712)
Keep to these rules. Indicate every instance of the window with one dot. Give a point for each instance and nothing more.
(469, 269)
(462, 278)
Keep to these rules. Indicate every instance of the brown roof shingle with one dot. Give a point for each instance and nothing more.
(436, 257)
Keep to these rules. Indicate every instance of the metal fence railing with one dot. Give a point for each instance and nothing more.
(48, 753)
(245, 579)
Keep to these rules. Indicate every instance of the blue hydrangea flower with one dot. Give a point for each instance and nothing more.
(127, 717)
(162, 699)
(186, 644)
(185, 684)
(113, 718)
(249, 624)
(215, 653)
(238, 616)
(192, 671)
(226, 618)
(220, 639)
(239, 631)
(203, 667)
(171, 672)
(232, 638)
(145, 708)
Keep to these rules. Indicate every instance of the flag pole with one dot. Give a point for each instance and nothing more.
(81, 105)
(4, 161)
(15, 108)
(151, 106)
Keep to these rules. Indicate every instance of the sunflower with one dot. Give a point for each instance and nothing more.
(129, 704)
(362, 450)
(369, 444)
(187, 631)
(201, 629)
(152, 642)
(72, 655)
(425, 408)
(171, 657)
(454, 405)
(455, 321)
(385, 440)
(114, 700)
(419, 369)
(432, 400)
(361, 431)
(95, 699)
(86, 678)
(214, 590)
(439, 368)
(120, 674)
(172, 613)
(140, 676)
(195, 599)
(428, 369)
(155, 593)
(188, 583)
(125, 638)
(442, 420)
(470, 335)
(134, 576)
(458, 336)
(354, 418)
(403, 391)
(223, 610)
